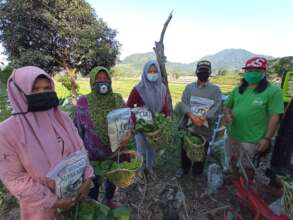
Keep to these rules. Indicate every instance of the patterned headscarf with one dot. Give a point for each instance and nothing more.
(101, 105)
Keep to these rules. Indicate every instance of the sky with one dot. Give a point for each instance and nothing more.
(200, 27)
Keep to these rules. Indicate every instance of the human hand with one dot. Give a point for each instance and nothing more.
(228, 118)
(197, 120)
(263, 145)
(84, 189)
(65, 204)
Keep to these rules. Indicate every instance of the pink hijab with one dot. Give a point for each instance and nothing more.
(42, 131)
(31, 145)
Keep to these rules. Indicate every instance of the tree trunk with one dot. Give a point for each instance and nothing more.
(71, 72)
(161, 58)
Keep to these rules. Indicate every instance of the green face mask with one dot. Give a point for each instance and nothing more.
(253, 77)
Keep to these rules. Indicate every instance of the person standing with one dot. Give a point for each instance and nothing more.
(252, 112)
(90, 119)
(201, 104)
(33, 141)
(150, 93)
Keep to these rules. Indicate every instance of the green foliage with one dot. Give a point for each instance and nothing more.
(103, 167)
(7, 202)
(288, 179)
(65, 81)
(159, 122)
(56, 35)
(124, 70)
(92, 210)
(135, 62)
(125, 85)
(66, 104)
(224, 61)
(134, 164)
(4, 74)
(4, 107)
(138, 60)
(221, 72)
(168, 158)
(280, 66)
(218, 156)
(194, 138)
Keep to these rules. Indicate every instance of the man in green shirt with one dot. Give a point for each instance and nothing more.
(252, 115)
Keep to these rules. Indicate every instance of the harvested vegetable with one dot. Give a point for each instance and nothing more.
(160, 122)
(120, 174)
(103, 167)
(92, 210)
(194, 146)
(157, 133)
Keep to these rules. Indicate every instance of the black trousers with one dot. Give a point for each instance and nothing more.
(186, 163)
(109, 188)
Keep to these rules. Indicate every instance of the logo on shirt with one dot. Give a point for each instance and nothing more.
(258, 102)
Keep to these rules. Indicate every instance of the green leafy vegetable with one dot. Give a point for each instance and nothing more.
(103, 167)
(92, 210)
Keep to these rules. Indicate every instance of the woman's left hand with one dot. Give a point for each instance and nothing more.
(263, 145)
(84, 189)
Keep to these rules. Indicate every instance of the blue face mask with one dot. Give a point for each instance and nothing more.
(152, 77)
(102, 87)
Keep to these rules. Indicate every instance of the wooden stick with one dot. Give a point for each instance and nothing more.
(214, 210)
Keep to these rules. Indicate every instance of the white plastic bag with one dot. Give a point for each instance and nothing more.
(215, 177)
(142, 113)
(118, 126)
(200, 106)
(68, 174)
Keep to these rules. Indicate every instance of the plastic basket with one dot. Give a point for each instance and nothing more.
(195, 152)
(124, 177)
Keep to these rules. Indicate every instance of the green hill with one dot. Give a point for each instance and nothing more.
(228, 59)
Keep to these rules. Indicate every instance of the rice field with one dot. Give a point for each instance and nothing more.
(125, 85)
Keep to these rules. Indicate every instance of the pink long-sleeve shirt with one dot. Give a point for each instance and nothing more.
(26, 182)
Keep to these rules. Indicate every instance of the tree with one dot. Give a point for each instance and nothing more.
(4, 105)
(221, 71)
(162, 59)
(56, 35)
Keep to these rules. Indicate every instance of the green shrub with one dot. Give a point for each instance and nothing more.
(4, 74)
(65, 81)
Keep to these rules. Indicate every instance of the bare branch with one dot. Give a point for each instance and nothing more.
(161, 58)
(165, 26)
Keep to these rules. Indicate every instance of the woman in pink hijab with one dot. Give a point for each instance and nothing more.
(33, 141)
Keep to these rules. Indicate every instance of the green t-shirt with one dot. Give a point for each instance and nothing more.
(251, 112)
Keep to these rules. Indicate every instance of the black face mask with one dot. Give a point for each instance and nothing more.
(203, 76)
(38, 102)
(42, 101)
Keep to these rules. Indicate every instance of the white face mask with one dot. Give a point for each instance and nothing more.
(152, 77)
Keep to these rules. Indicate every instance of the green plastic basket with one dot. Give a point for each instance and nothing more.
(195, 152)
(124, 177)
